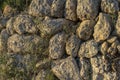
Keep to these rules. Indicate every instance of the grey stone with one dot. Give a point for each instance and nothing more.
(102, 29)
(85, 30)
(67, 69)
(40, 7)
(24, 44)
(110, 6)
(24, 24)
(57, 46)
(70, 10)
(87, 9)
(57, 8)
(72, 45)
(88, 49)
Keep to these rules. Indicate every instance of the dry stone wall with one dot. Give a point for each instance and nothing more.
(82, 37)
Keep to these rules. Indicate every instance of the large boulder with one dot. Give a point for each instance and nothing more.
(24, 24)
(102, 29)
(40, 7)
(70, 10)
(72, 45)
(66, 69)
(110, 6)
(87, 9)
(88, 49)
(85, 30)
(57, 46)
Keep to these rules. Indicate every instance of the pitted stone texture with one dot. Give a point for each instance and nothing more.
(72, 45)
(117, 27)
(10, 26)
(88, 49)
(57, 46)
(57, 8)
(102, 29)
(87, 9)
(3, 40)
(85, 30)
(51, 26)
(104, 47)
(111, 76)
(70, 10)
(67, 69)
(110, 6)
(24, 24)
(40, 7)
(24, 44)
(85, 69)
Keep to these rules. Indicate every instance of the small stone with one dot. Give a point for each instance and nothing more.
(24, 24)
(72, 45)
(102, 29)
(104, 48)
(70, 10)
(112, 39)
(57, 46)
(88, 49)
(87, 9)
(117, 27)
(57, 8)
(98, 76)
(110, 6)
(67, 69)
(111, 76)
(85, 29)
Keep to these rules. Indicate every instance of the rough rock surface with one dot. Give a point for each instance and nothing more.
(88, 49)
(102, 29)
(70, 10)
(72, 45)
(110, 6)
(87, 9)
(57, 46)
(67, 69)
(117, 27)
(85, 29)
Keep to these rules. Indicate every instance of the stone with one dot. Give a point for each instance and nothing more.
(85, 30)
(88, 49)
(87, 9)
(57, 8)
(52, 26)
(85, 69)
(102, 29)
(117, 27)
(72, 45)
(97, 76)
(3, 40)
(104, 47)
(111, 76)
(67, 69)
(10, 26)
(24, 24)
(40, 7)
(110, 6)
(57, 46)
(7, 10)
(24, 44)
(112, 39)
(70, 10)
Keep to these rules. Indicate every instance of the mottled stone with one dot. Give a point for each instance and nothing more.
(117, 27)
(104, 48)
(102, 29)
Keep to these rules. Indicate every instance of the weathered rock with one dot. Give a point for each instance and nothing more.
(40, 7)
(67, 69)
(70, 10)
(110, 6)
(72, 45)
(85, 69)
(57, 45)
(7, 10)
(111, 76)
(10, 26)
(97, 76)
(111, 39)
(85, 29)
(104, 48)
(118, 47)
(57, 8)
(1, 27)
(102, 29)
(88, 49)
(3, 40)
(87, 9)
(51, 26)
(24, 44)
(117, 27)
(24, 24)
